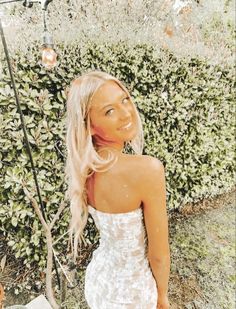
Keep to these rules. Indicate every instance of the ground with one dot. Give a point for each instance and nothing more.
(202, 243)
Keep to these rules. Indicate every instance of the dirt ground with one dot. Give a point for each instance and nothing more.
(202, 243)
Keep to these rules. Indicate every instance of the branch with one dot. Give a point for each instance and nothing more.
(49, 289)
(36, 207)
(49, 241)
(57, 215)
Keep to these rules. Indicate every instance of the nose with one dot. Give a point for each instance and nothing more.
(125, 113)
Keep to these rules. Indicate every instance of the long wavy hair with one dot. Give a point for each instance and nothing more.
(82, 156)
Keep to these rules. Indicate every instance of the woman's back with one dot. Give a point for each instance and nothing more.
(117, 190)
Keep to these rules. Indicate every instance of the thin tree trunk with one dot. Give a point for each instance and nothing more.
(49, 289)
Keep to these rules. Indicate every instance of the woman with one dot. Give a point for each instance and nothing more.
(124, 193)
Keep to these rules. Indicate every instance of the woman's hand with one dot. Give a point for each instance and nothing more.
(163, 303)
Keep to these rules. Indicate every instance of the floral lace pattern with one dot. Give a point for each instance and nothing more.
(119, 275)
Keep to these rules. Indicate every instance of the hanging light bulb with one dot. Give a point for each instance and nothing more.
(49, 57)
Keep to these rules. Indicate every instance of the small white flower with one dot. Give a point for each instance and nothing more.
(164, 96)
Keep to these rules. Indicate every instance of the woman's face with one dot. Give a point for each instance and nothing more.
(113, 116)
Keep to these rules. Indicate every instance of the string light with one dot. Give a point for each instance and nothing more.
(49, 57)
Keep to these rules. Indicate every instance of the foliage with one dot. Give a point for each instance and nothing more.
(187, 111)
(204, 28)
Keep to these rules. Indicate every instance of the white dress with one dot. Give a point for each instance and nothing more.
(119, 275)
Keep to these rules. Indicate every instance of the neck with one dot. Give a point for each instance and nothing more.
(101, 144)
(112, 147)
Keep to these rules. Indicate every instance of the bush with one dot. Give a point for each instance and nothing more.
(187, 111)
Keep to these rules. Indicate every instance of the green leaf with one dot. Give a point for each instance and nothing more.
(11, 243)
(14, 221)
(28, 251)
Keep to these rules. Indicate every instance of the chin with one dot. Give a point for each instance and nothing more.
(130, 135)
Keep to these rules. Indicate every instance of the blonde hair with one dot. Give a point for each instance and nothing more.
(82, 158)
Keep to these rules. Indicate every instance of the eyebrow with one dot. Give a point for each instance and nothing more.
(124, 97)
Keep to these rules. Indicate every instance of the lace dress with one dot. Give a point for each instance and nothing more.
(119, 275)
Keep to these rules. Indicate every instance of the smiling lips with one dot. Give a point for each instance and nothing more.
(126, 127)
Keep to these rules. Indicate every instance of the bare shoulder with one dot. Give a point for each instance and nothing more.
(146, 166)
(152, 175)
(150, 163)
(146, 171)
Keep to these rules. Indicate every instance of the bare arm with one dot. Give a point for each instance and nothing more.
(156, 222)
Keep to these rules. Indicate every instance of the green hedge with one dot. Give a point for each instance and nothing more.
(187, 111)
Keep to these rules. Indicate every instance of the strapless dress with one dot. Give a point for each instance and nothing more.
(119, 274)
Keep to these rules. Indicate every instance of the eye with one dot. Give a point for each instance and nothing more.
(125, 100)
(109, 112)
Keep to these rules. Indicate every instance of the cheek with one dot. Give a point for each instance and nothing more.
(99, 130)
(102, 129)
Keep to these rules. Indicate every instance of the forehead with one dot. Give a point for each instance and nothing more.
(108, 93)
